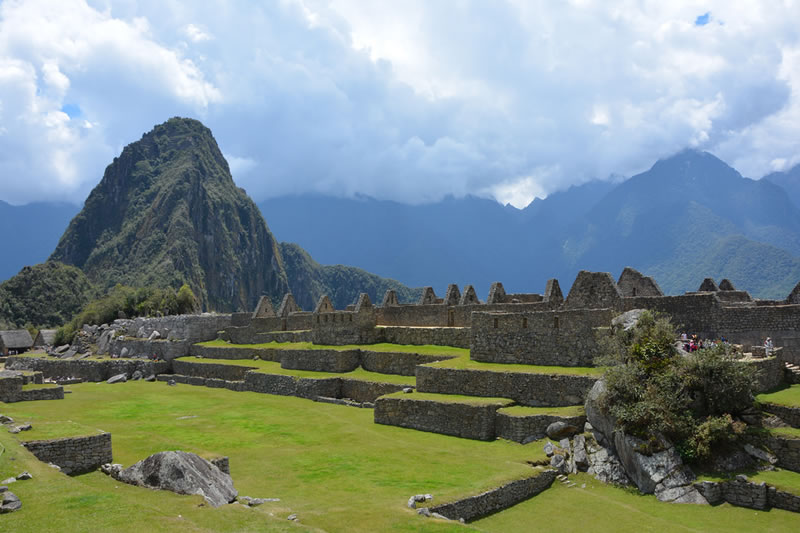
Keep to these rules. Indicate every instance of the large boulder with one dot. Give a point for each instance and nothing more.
(662, 473)
(601, 421)
(184, 473)
(628, 319)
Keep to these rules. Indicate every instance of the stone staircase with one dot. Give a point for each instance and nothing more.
(792, 372)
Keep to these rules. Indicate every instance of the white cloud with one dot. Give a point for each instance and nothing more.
(409, 101)
(195, 34)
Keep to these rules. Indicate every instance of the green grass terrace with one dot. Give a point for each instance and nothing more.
(790, 396)
(274, 367)
(329, 464)
(427, 349)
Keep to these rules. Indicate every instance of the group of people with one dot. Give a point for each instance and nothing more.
(691, 343)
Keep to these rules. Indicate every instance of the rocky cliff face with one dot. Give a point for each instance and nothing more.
(167, 212)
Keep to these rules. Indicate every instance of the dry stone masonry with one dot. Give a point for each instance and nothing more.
(74, 455)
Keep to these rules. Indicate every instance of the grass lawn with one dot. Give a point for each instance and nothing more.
(427, 349)
(465, 363)
(273, 367)
(329, 464)
(521, 410)
(602, 508)
(789, 396)
(793, 433)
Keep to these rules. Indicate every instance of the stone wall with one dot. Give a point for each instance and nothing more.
(344, 327)
(744, 493)
(460, 419)
(88, 370)
(42, 393)
(400, 363)
(232, 352)
(211, 370)
(292, 386)
(633, 283)
(418, 336)
(536, 390)
(161, 348)
(75, 455)
(786, 449)
(563, 338)
(193, 328)
(320, 360)
(593, 290)
(496, 500)
(527, 428)
(705, 314)
(770, 373)
(790, 415)
(10, 386)
(367, 391)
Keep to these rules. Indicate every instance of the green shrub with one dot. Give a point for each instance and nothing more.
(130, 302)
(653, 389)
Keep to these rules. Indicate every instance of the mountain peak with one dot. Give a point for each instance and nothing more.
(167, 212)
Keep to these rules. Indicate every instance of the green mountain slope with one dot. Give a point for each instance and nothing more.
(167, 212)
(309, 280)
(45, 295)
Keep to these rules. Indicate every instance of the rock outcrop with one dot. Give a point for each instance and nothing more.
(662, 473)
(181, 472)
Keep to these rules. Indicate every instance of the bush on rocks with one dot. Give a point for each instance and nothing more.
(690, 399)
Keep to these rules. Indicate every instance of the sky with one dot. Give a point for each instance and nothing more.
(409, 101)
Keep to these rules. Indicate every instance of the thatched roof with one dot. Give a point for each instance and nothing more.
(16, 339)
(45, 337)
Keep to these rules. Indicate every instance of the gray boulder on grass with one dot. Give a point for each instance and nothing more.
(184, 473)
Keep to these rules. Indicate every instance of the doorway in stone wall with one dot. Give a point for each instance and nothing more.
(451, 318)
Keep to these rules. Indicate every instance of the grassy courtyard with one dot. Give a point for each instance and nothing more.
(329, 464)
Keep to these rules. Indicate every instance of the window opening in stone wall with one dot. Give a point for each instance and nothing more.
(451, 318)
(495, 323)
(555, 322)
(317, 319)
(326, 318)
(525, 322)
(351, 318)
(634, 291)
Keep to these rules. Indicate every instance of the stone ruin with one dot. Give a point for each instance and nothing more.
(546, 329)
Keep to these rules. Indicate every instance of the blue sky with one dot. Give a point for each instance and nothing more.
(407, 101)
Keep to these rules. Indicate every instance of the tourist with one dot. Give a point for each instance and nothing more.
(768, 346)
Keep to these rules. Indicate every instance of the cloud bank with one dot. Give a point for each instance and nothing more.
(408, 101)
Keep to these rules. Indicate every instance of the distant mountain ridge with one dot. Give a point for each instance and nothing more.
(688, 217)
(167, 212)
(680, 221)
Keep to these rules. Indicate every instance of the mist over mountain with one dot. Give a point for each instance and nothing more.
(688, 217)
(167, 212)
(789, 181)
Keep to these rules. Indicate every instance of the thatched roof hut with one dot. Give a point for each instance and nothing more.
(15, 340)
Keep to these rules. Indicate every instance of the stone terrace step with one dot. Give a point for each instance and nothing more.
(338, 359)
(268, 377)
(526, 424)
(460, 416)
(524, 386)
